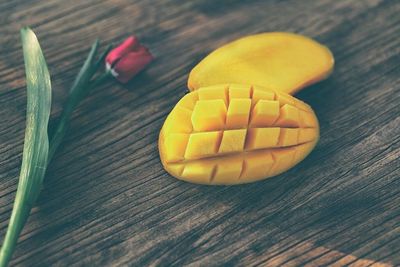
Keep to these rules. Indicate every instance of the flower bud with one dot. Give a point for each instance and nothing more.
(128, 59)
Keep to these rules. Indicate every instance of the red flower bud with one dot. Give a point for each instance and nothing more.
(127, 59)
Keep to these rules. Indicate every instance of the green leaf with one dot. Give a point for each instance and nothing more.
(36, 145)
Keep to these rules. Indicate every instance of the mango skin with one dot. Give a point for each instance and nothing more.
(282, 61)
(235, 134)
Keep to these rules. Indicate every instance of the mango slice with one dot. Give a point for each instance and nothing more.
(281, 61)
(234, 134)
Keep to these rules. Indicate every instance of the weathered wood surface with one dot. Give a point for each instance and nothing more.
(107, 200)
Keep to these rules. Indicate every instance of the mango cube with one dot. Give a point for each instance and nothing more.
(238, 113)
(202, 144)
(289, 116)
(175, 146)
(265, 113)
(239, 91)
(209, 93)
(209, 115)
(288, 137)
(259, 138)
(233, 141)
(257, 165)
(228, 169)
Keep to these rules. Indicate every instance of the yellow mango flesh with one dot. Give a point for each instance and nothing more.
(281, 61)
(233, 134)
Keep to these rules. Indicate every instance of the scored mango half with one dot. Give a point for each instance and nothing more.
(278, 60)
(233, 134)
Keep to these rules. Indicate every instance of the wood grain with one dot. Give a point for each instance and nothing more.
(108, 202)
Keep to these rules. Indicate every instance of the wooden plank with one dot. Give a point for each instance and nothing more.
(107, 200)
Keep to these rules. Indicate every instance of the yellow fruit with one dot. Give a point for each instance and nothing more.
(233, 134)
(281, 61)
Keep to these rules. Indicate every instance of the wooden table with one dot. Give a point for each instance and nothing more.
(107, 200)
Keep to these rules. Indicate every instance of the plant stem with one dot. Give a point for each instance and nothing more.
(76, 96)
(80, 89)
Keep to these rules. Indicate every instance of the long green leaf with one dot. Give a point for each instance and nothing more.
(36, 145)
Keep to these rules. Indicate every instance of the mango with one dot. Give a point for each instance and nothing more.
(235, 133)
(281, 61)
